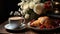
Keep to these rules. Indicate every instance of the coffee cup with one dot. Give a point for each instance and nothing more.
(14, 22)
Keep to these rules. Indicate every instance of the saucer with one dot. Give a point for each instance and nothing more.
(11, 26)
(15, 27)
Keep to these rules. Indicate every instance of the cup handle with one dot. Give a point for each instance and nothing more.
(9, 21)
(24, 20)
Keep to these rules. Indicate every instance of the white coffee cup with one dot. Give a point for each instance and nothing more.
(14, 22)
(17, 20)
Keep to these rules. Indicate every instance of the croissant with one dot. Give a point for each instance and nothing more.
(36, 23)
(43, 19)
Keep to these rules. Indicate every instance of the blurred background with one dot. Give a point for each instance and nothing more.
(10, 5)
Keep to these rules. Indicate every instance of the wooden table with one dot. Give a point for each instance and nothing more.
(27, 31)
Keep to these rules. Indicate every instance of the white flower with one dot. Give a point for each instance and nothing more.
(11, 12)
(19, 9)
(27, 16)
(21, 6)
(28, 0)
(31, 5)
(25, 6)
(42, 5)
(16, 13)
(21, 3)
(38, 9)
(36, 1)
(22, 13)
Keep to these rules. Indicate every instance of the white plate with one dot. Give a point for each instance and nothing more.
(38, 28)
(11, 26)
(14, 27)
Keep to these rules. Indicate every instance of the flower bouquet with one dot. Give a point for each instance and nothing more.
(32, 9)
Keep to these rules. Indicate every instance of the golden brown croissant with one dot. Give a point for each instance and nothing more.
(42, 20)
(36, 23)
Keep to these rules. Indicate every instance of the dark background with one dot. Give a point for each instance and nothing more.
(5, 7)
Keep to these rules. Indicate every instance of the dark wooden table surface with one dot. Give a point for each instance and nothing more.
(26, 31)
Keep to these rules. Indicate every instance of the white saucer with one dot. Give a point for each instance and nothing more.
(11, 26)
(15, 27)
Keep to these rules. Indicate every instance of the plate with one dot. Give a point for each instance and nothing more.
(14, 27)
(38, 29)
